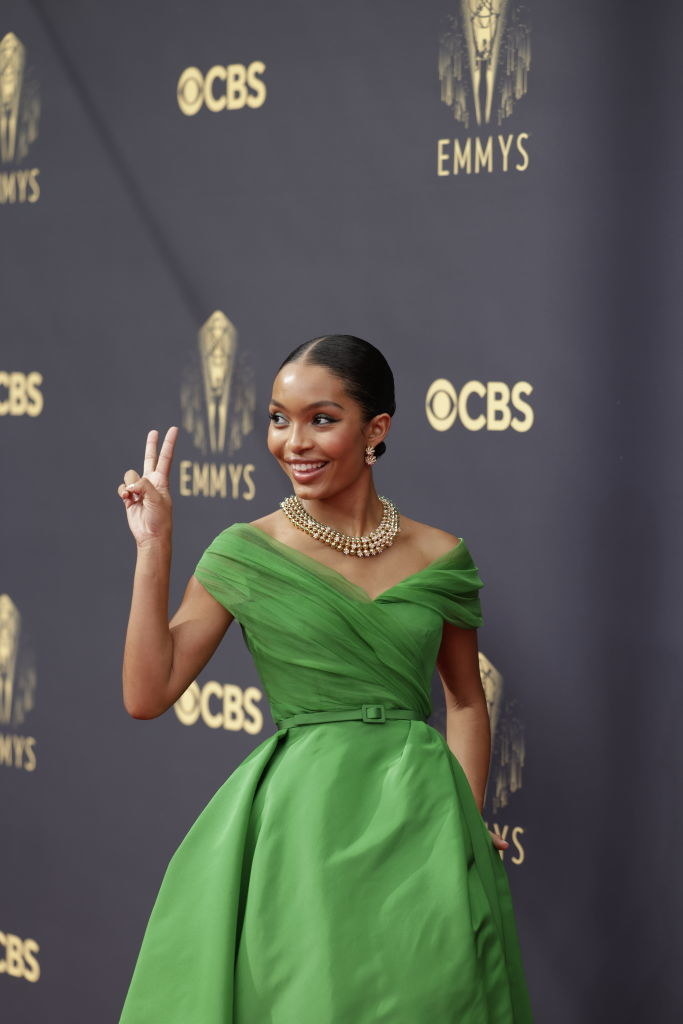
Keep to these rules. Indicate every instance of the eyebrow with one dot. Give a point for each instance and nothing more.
(312, 405)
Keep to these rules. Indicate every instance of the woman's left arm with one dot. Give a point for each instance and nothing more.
(468, 728)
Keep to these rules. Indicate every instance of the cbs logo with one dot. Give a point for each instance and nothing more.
(20, 394)
(18, 957)
(480, 406)
(221, 706)
(223, 87)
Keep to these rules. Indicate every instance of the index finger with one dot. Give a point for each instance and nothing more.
(166, 453)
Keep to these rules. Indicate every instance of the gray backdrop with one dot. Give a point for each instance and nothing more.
(537, 284)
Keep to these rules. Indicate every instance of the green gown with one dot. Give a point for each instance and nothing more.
(343, 873)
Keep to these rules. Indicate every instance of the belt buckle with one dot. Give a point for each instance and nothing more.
(374, 713)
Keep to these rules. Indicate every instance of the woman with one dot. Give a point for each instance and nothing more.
(343, 873)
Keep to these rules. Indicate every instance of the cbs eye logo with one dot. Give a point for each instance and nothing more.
(223, 87)
(493, 405)
(221, 706)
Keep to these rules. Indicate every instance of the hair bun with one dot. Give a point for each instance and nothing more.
(380, 449)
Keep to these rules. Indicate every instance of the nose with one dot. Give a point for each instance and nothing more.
(298, 440)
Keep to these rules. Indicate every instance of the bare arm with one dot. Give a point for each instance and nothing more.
(468, 729)
(162, 658)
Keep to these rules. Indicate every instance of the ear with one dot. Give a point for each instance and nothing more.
(378, 428)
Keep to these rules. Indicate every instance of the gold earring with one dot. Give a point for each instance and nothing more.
(370, 457)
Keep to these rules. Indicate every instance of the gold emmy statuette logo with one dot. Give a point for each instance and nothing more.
(507, 737)
(217, 399)
(17, 690)
(10, 623)
(484, 61)
(217, 344)
(479, 405)
(508, 753)
(19, 119)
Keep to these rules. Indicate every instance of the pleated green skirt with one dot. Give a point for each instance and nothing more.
(342, 875)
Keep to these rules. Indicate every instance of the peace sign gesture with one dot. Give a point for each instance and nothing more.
(147, 498)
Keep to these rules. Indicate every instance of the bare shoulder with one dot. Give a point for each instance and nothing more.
(270, 524)
(429, 540)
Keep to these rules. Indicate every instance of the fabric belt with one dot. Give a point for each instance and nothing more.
(373, 714)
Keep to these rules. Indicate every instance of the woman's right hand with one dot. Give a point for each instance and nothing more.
(147, 498)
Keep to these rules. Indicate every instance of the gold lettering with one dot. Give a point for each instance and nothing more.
(517, 843)
(502, 832)
(8, 188)
(200, 478)
(514, 840)
(212, 689)
(520, 147)
(441, 157)
(17, 394)
(522, 387)
(257, 97)
(213, 102)
(5, 750)
(236, 86)
(34, 396)
(19, 960)
(474, 154)
(218, 481)
(247, 476)
(253, 721)
(472, 387)
(23, 394)
(18, 751)
(14, 186)
(35, 186)
(197, 701)
(31, 965)
(483, 155)
(505, 145)
(18, 742)
(498, 414)
(22, 181)
(235, 474)
(185, 470)
(233, 714)
(210, 479)
(30, 753)
(462, 156)
(13, 959)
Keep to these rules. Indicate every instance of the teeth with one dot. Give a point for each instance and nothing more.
(303, 467)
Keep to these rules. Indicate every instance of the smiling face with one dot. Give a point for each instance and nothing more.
(317, 432)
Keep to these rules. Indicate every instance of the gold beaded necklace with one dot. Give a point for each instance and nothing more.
(371, 544)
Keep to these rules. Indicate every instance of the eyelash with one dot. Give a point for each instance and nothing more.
(272, 415)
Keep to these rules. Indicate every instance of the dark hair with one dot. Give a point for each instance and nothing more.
(362, 368)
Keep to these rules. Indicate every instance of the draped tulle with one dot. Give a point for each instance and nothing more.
(343, 872)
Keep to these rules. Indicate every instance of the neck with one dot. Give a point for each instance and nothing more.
(355, 511)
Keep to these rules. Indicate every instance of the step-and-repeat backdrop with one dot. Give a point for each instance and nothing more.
(485, 190)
